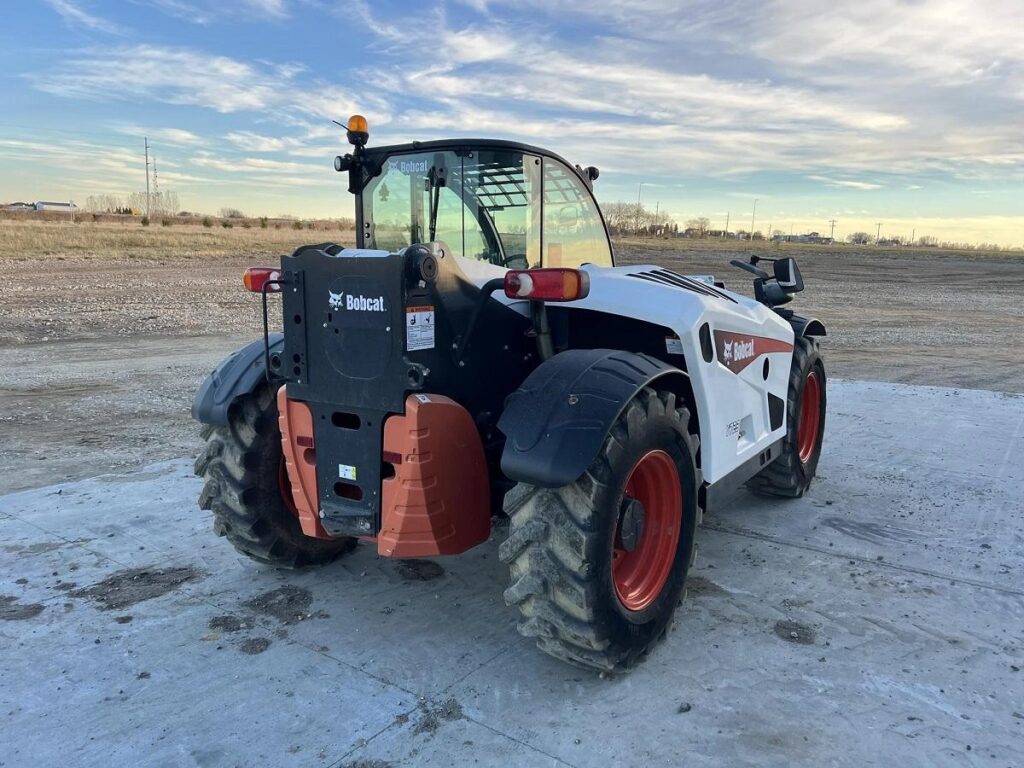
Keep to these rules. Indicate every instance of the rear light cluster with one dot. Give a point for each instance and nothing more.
(550, 284)
(255, 278)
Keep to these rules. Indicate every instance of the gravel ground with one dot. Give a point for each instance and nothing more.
(103, 354)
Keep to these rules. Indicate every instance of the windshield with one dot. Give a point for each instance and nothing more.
(500, 206)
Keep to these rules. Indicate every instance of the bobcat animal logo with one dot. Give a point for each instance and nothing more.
(727, 351)
(336, 300)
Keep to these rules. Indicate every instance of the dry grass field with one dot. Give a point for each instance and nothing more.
(108, 328)
(30, 240)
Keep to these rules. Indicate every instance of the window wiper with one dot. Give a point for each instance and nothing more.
(437, 177)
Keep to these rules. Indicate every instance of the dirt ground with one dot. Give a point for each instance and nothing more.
(108, 331)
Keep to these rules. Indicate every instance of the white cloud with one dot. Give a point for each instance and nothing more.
(77, 18)
(209, 11)
(847, 183)
(254, 142)
(174, 136)
(256, 164)
(269, 7)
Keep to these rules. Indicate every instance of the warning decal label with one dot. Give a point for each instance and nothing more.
(419, 328)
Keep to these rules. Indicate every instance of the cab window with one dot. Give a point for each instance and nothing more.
(574, 233)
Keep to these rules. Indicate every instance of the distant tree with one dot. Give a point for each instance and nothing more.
(859, 238)
(700, 225)
(928, 241)
(231, 213)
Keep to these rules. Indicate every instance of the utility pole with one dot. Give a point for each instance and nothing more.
(146, 139)
(156, 180)
(752, 217)
(832, 233)
(878, 232)
(769, 232)
(913, 235)
(726, 233)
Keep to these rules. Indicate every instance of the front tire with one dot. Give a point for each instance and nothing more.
(791, 474)
(246, 487)
(598, 566)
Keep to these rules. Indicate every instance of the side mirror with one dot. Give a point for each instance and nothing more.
(787, 273)
(568, 217)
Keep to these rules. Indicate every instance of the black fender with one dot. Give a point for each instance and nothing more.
(238, 374)
(556, 422)
(807, 326)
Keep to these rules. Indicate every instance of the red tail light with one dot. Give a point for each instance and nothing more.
(255, 278)
(551, 284)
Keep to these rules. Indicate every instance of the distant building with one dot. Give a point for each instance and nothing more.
(811, 237)
(43, 205)
(19, 207)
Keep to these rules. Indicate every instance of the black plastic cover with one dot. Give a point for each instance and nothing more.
(556, 422)
(807, 326)
(239, 374)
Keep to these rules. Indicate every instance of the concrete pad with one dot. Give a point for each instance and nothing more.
(875, 621)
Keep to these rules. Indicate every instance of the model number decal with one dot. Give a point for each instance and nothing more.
(347, 472)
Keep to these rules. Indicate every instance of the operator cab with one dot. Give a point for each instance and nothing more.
(501, 203)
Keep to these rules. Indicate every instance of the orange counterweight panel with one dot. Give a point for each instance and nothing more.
(438, 502)
(296, 422)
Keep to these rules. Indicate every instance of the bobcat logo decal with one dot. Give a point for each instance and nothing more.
(738, 350)
(340, 301)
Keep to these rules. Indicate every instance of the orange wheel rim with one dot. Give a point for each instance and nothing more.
(810, 417)
(639, 575)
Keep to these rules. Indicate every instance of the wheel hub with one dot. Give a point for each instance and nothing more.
(631, 523)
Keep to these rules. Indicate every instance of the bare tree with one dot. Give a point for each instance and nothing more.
(700, 226)
(859, 238)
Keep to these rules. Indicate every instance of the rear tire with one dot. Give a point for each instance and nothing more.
(791, 474)
(242, 466)
(583, 596)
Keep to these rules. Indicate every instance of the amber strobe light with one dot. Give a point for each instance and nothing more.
(255, 278)
(549, 284)
(358, 131)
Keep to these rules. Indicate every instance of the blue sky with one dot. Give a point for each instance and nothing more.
(908, 113)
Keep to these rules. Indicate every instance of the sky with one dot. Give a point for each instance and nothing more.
(904, 113)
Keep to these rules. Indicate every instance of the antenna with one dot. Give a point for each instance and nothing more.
(832, 233)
